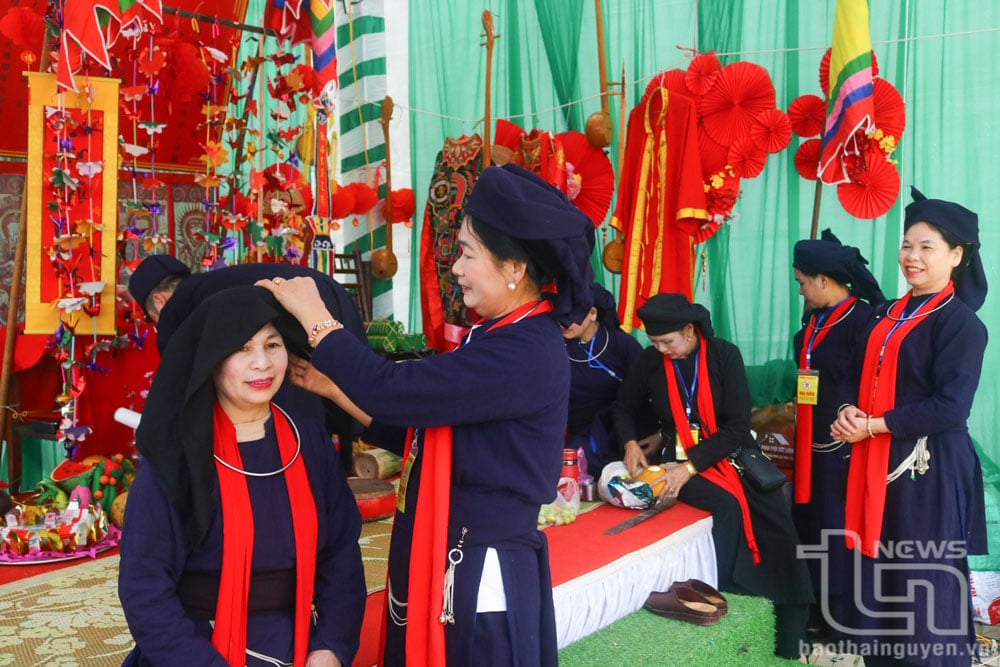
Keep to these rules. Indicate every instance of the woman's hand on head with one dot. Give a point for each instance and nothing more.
(303, 374)
(300, 297)
(323, 658)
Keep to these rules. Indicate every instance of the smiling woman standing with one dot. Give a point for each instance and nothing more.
(488, 422)
(915, 488)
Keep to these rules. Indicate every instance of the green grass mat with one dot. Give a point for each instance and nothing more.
(745, 636)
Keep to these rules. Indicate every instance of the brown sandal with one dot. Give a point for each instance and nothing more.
(683, 604)
(711, 595)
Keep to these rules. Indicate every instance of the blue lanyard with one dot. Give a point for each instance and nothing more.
(817, 321)
(595, 362)
(689, 393)
(903, 318)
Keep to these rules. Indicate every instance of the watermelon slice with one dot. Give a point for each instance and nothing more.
(69, 475)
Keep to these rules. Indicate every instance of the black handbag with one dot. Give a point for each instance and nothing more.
(757, 469)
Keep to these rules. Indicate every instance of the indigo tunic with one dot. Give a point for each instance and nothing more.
(934, 520)
(504, 393)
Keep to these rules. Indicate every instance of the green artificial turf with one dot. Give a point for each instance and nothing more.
(745, 636)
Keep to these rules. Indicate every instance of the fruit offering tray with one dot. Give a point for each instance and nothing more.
(54, 535)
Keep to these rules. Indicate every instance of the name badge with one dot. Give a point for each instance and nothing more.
(679, 453)
(808, 387)
(404, 476)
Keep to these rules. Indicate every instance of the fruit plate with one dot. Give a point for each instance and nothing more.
(109, 541)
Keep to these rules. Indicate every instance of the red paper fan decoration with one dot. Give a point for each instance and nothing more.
(824, 71)
(741, 92)
(807, 113)
(701, 73)
(714, 156)
(671, 79)
(890, 111)
(807, 159)
(771, 130)
(596, 178)
(746, 158)
(24, 27)
(874, 189)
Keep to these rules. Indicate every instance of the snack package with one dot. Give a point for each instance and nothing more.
(564, 508)
(619, 489)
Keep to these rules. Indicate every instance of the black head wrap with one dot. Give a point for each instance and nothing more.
(970, 278)
(150, 273)
(607, 309)
(521, 205)
(668, 312)
(175, 434)
(843, 263)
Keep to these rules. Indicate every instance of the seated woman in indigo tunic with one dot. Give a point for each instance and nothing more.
(240, 520)
(697, 386)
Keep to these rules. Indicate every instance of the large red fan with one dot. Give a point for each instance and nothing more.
(741, 92)
(824, 70)
(771, 130)
(596, 176)
(807, 114)
(890, 111)
(873, 189)
(701, 73)
(807, 159)
(746, 158)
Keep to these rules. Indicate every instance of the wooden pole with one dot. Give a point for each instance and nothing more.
(487, 120)
(816, 199)
(386, 116)
(13, 304)
(602, 68)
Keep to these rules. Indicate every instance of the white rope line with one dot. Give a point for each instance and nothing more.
(918, 38)
(472, 122)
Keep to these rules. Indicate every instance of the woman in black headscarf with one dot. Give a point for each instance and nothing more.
(240, 520)
(839, 293)
(600, 354)
(697, 387)
(469, 576)
(915, 506)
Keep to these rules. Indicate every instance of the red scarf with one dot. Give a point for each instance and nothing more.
(804, 412)
(429, 543)
(229, 636)
(877, 395)
(722, 474)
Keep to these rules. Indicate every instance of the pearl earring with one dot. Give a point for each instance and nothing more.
(512, 286)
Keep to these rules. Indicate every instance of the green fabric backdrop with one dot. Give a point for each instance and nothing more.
(934, 52)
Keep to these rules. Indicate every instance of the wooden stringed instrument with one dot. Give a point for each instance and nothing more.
(598, 129)
(487, 118)
(384, 263)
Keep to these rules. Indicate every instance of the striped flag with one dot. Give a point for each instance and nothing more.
(324, 46)
(849, 105)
